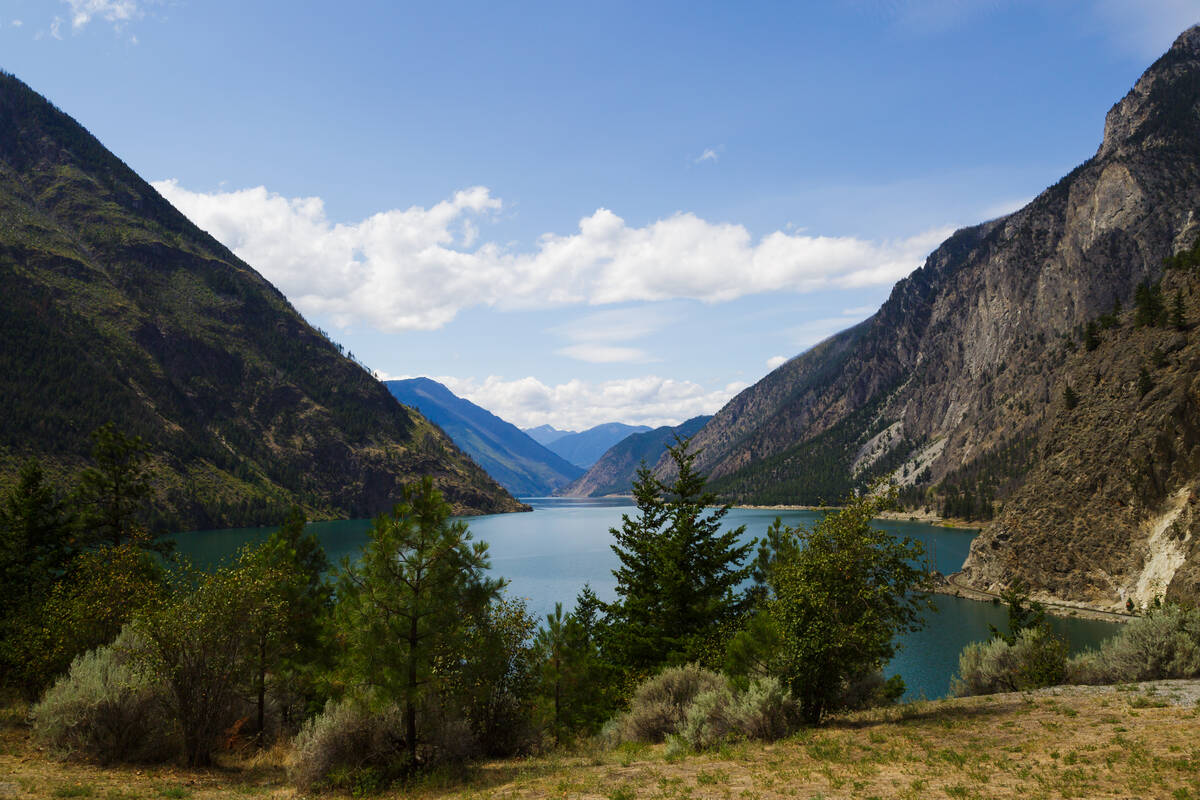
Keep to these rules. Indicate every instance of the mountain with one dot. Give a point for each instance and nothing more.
(614, 472)
(545, 434)
(955, 387)
(516, 461)
(583, 448)
(116, 307)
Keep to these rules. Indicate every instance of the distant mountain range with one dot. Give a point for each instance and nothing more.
(585, 447)
(514, 459)
(614, 472)
(1047, 362)
(117, 308)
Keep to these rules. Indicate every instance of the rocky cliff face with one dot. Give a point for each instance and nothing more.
(116, 308)
(956, 379)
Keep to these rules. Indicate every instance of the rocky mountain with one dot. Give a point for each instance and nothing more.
(116, 308)
(955, 387)
(614, 472)
(516, 461)
(545, 434)
(584, 448)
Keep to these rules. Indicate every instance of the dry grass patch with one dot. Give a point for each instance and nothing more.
(1073, 744)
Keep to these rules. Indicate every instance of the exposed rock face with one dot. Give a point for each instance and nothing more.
(964, 367)
(116, 308)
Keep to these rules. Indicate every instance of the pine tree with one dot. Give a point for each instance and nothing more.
(1178, 318)
(115, 491)
(679, 574)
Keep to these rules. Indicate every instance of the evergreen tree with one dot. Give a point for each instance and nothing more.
(113, 493)
(1178, 317)
(679, 574)
(403, 605)
(1091, 339)
(1145, 382)
(1070, 398)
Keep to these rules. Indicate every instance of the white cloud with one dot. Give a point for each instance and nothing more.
(577, 404)
(776, 361)
(417, 268)
(117, 12)
(814, 331)
(56, 27)
(595, 337)
(708, 155)
(16, 23)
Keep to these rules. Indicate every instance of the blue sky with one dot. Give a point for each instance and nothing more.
(576, 213)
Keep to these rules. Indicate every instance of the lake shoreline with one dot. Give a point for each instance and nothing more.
(953, 586)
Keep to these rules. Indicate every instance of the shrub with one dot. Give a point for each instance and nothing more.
(1036, 658)
(345, 743)
(766, 710)
(710, 719)
(106, 709)
(350, 746)
(660, 703)
(1163, 644)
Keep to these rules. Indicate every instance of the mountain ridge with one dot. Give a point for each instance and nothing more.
(517, 462)
(117, 308)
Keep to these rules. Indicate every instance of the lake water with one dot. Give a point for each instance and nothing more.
(549, 554)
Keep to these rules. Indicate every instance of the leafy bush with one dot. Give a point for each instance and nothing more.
(106, 709)
(1036, 658)
(660, 704)
(1163, 644)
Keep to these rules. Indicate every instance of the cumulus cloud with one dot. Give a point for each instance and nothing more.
(776, 361)
(578, 404)
(416, 268)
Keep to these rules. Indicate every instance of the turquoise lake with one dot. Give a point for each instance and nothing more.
(549, 554)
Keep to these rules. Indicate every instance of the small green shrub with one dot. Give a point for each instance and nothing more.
(660, 704)
(1036, 658)
(709, 720)
(105, 709)
(1163, 644)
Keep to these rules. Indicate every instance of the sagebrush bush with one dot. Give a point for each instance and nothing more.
(349, 745)
(344, 742)
(765, 711)
(709, 719)
(106, 709)
(660, 704)
(1163, 644)
(1037, 658)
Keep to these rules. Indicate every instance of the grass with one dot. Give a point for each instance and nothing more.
(1075, 745)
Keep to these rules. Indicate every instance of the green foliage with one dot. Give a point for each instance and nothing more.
(1178, 319)
(1165, 643)
(491, 675)
(199, 643)
(1091, 337)
(347, 741)
(574, 683)
(101, 591)
(836, 598)
(1034, 658)
(1070, 398)
(402, 607)
(105, 709)
(1145, 383)
(1022, 613)
(679, 573)
(114, 493)
(1149, 307)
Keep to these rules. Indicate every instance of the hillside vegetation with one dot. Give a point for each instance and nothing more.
(118, 309)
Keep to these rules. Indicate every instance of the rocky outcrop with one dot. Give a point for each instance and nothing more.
(966, 362)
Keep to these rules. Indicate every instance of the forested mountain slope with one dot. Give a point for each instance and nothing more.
(955, 383)
(514, 459)
(614, 472)
(116, 307)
